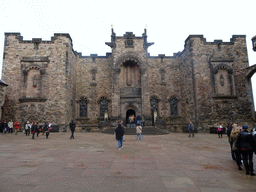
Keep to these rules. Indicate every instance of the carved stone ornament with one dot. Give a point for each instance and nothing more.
(221, 80)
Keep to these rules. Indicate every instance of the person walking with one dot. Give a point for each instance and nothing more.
(246, 145)
(46, 130)
(16, 127)
(119, 136)
(72, 126)
(27, 128)
(220, 131)
(138, 131)
(233, 138)
(37, 129)
(191, 129)
(10, 126)
(33, 130)
(229, 126)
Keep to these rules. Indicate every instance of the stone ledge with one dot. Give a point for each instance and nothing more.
(175, 116)
(82, 118)
(39, 99)
(224, 97)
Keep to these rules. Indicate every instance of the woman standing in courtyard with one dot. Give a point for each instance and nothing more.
(232, 140)
(138, 131)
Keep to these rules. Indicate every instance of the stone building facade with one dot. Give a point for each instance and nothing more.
(3, 86)
(205, 83)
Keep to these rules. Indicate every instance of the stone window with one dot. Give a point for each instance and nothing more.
(103, 106)
(174, 105)
(83, 107)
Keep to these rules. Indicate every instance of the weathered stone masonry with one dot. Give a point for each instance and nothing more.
(205, 83)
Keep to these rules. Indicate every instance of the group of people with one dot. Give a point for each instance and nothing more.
(32, 128)
(133, 121)
(8, 127)
(243, 145)
(119, 132)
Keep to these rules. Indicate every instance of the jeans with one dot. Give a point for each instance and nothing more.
(238, 158)
(120, 143)
(232, 152)
(27, 132)
(248, 162)
(72, 134)
(138, 136)
(47, 134)
(191, 131)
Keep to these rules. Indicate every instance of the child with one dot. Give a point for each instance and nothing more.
(220, 131)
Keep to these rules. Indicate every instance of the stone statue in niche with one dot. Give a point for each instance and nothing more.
(154, 103)
(34, 81)
(221, 80)
(103, 106)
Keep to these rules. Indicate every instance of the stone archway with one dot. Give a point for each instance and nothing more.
(249, 71)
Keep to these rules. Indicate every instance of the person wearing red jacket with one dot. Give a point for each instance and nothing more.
(16, 127)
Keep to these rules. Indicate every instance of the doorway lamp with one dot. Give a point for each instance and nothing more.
(254, 43)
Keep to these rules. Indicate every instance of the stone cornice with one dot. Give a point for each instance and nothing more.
(37, 99)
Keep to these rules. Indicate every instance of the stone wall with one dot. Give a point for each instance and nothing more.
(205, 83)
(48, 60)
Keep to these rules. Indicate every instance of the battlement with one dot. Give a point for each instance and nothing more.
(216, 42)
(39, 40)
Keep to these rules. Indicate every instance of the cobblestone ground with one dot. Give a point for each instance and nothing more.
(92, 162)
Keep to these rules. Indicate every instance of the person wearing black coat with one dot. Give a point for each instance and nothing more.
(72, 126)
(4, 126)
(46, 130)
(246, 145)
(33, 130)
(119, 136)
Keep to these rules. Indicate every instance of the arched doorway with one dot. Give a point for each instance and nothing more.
(129, 113)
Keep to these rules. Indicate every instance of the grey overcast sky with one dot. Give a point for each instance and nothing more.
(168, 22)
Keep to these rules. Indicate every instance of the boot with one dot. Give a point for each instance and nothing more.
(251, 169)
(247, 169)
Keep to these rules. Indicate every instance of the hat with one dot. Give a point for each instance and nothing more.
(245, 127)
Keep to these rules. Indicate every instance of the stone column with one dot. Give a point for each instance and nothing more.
(115, 95)
(146, 109)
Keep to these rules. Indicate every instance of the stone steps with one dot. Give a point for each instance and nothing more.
(147, 130)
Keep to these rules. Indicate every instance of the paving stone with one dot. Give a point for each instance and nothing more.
(179, 166)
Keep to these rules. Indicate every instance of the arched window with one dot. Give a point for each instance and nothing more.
(103, 106)
(174, 106)
(83, 107)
